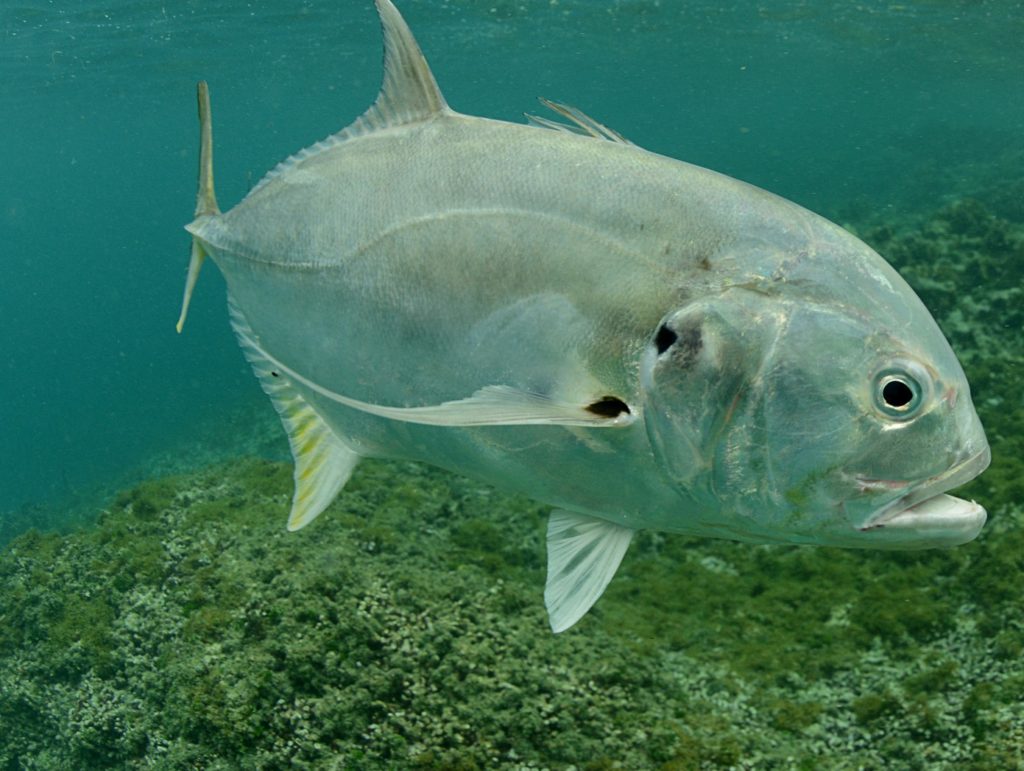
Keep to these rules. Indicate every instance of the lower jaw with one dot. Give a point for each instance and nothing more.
(941, 520)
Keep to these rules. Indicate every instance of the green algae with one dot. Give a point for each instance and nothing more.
(405, 628)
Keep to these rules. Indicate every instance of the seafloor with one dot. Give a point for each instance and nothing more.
(406, 629)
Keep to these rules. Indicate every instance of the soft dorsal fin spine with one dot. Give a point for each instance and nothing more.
(408, 94)
(579, 123)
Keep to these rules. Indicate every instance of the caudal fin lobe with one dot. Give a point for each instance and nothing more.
(206, 199)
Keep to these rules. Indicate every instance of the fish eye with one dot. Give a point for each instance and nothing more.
(899, 393)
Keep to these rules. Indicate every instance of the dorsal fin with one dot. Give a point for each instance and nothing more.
(408, 94)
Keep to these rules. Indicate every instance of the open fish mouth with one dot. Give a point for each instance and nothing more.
(927, 515)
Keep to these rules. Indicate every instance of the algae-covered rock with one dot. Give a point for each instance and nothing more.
(405, 627)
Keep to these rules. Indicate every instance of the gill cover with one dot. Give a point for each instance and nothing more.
(699, 377)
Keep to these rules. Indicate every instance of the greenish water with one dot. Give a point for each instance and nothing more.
(889, 104)
(185, 629)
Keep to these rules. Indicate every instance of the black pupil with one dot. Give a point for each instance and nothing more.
(897, 393)
(664, 339)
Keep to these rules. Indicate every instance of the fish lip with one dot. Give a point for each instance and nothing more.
(930, 490)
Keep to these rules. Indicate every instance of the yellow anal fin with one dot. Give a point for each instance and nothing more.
(323, 462)
(206, 199)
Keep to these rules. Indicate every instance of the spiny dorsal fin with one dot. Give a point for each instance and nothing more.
(582, 123)
(409, 92)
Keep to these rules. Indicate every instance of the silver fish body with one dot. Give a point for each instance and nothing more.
(637, 341)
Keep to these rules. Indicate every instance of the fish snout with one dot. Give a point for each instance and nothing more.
(925, 517)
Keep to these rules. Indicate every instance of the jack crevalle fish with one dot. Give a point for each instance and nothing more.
(636, 341)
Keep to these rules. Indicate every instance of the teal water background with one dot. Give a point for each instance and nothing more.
(878, 105)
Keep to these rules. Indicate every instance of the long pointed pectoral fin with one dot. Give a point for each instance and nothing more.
(583, 555)
(500, 405)
(323, 462)
(494, 405)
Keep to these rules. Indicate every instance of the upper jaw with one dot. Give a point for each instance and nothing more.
(925, 517)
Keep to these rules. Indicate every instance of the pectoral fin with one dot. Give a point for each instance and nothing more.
(583, 555)
(498, 405)
(323, 463)
(493, 405)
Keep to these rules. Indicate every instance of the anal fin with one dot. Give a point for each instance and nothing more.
(323, 462)
(583, 555)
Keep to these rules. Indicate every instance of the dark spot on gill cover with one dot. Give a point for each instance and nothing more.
(664, 338)
(608, 407)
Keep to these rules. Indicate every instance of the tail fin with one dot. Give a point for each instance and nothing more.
(206, 200)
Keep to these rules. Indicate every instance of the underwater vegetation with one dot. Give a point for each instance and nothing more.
(404, 629)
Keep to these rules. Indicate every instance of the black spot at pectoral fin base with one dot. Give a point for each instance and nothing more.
(608, 407)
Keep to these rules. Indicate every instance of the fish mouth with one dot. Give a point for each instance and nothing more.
(926, 516)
